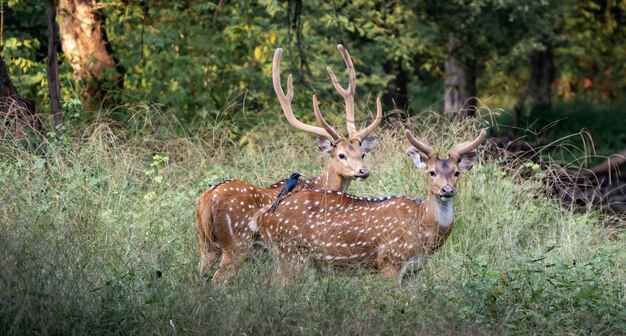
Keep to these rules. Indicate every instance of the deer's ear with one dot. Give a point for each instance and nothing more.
(418, 158)
(467, 161)
(325, 145)
(367, 144)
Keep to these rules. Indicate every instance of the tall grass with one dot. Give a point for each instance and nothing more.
(98, 236)
(604, 121)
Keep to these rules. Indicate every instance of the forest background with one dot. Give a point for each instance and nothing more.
(118, 114)
(205, 62)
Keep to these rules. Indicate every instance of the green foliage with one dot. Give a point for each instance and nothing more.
(25, 49)
(594, 36)
(213, 62)
(210, 63)
(527, 293)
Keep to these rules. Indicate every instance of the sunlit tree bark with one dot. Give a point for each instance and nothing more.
(459, 82)
(86, 48)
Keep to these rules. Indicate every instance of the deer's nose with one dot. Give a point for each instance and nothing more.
(363, 173)
(447, 191)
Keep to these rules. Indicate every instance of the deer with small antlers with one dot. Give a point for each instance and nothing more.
(225, 212)
(389, 234)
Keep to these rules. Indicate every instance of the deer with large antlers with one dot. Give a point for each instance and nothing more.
(389, 234)
(225, 212)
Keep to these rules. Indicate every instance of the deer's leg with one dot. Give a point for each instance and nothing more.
(231, 259)
(295, 264)
(205, 221)
(387, 267)
(411, 266)
(209, 253)
(392, 272)
(289, 264)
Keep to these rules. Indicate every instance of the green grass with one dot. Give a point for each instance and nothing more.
(85, 231)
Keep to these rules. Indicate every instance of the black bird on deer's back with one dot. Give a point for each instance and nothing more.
(291, 183)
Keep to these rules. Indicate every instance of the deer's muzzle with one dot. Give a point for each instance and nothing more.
(447, 192)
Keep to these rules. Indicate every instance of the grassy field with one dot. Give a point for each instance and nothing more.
(98, 237)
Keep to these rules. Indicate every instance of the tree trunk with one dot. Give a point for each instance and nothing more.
(16, 113)
(397, 87)
(541, 76)
(460, 83)
(86, 48)
(53, 69)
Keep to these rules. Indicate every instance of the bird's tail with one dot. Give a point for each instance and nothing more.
(273, 207)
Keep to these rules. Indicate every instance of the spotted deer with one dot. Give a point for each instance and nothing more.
(389, 234)
(225, 212)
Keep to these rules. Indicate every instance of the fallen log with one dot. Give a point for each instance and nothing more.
(601, 186)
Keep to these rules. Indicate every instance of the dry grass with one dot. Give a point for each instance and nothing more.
(86, 230)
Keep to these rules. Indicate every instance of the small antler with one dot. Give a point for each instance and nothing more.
(465, 147)
(285, 103)
(348, 96)
(422, 146)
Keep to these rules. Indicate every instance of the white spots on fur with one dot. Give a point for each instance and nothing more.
(333, 226)
(252, 224)
(230, 228)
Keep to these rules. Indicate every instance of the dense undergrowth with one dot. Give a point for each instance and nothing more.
(98, 236)
(600, 123)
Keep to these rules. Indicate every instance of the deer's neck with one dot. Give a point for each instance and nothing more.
(439, 212)
(331, 180)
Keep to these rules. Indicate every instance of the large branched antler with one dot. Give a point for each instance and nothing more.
(285, 102)
(348, 96)
(320, 119)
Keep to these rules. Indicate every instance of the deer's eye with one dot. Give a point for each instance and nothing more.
(456, 174)
(432, 173)
(342, 156)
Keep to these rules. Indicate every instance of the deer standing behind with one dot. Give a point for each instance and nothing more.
(389, 234)
(225, 212)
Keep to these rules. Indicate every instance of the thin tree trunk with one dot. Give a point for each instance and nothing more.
(16, 113)
(53, 69)
(460, 83)
(539, 87)
(397, 87)
(86, 48)
(541, 76)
